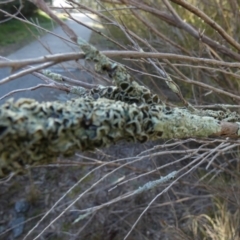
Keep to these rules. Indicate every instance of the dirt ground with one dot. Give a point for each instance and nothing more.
(43, 186)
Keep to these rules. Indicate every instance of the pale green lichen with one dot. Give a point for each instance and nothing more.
(36, 133)
(59, 79)
(225, 115)
(55, 76)
(78, 90)
(181, 123)
(152, 184)
(127, 89)
(146, 187)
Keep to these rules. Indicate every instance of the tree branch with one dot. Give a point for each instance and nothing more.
(61, 57)
(33, 133)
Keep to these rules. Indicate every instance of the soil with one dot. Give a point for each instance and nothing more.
(43, 186)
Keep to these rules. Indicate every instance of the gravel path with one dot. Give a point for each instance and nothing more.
(47, 44)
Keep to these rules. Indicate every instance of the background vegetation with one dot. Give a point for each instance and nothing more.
(16, 33)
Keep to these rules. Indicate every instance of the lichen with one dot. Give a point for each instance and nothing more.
(33, 133)
(126, 89)
(180, 123)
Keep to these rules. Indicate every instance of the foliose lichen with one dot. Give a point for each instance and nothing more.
(33, 133)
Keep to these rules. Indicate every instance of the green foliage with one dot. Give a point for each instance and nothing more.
(21, 30)
(27, 8)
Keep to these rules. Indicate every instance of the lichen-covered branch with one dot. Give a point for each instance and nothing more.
(126, 89)
(33, 133)
(129, 92)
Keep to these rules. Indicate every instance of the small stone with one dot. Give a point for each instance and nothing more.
(21, 206)
(17, 225)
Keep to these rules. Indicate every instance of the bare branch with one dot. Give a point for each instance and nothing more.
(61, 57)
(209, 21)
(43, 6)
